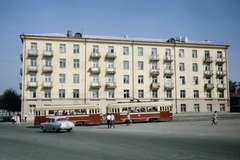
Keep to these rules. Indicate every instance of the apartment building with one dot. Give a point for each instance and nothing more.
(62, 69)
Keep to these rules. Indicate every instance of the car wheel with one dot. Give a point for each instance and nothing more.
(68, 130)
(43, 130)
(57, 130)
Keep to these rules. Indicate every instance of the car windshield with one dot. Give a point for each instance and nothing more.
(62, 119)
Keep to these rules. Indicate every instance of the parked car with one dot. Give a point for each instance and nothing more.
(1, 118)
(56, 124)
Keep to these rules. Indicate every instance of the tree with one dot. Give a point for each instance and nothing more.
(234, 86)
(10, 101)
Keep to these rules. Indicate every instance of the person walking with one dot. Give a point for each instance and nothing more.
(214, 121)
(108, 120)
(25, 117)
(13, 120)
(128, 119)
(112, 120)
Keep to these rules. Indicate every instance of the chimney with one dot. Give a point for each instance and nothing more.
(69, 34)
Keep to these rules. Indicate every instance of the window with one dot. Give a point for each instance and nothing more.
(154, 66)
(48, 63)
(196, 107)
(194, 53)
(95, 65)
(154, 53)
(140, 94)
(221, 94)
(33, 79)
(140, 65)
(208, 94)
(125, 51)
(75, 48)
(182, 80)
(76, 63)
(75, 78)
(61, 93)
(195, 67)
(209, 107)
(140, 79)
(95, 50)
(183, 107)
(125, 78)
(182, 94)
(33, 49)
(125, 65)
(207, 68)
(168, 93)
(126, 93)
(181, 53)
(154, 94)
(110, 49)
(110, 93)
(33, 62)
(47, 93)
(33, 93)
(62, 78)
(181, 66)
(219, 55)
(222, 107)
(207, 55)
(32, 109)
(154, 79)
(75, 93)
(62, 48)
(195, 94)
(140, 51)
(220, 69)
(48, 47)
(167, 54)
(62, 63)
(195, 80)
(95, 93)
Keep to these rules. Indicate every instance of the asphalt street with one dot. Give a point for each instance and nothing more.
(141, 141)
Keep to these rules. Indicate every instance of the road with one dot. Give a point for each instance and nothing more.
(142, 141)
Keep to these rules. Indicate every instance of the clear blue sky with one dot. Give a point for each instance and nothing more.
(214, 20)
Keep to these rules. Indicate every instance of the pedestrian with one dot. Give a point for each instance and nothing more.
(13, 120)
(112, 120)
(128, 119)
(214, 120)
(25, 117)
(108, 120)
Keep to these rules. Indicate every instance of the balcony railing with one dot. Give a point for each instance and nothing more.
(32, 68)
(168, 86)
(111, 70)
(21, 57)
(154, 72)
(47, 84)
(154, 58)
(111, 85)
(155, 86)
(95, 85)
(48, 53)
(220, 60)
(221, 86)
(111, 55)
(168, 58)
(221, 73)
(95, 70)
(209, 86)
(20, 71)
(208, 73)
(20, 86)
(168, 71)
(207, 60)
(95, 55)
(32, 84)
(33, 52)
(47, 69)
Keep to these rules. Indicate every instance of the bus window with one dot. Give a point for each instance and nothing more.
(118, 110)
(149, 109)
(143, 109)
(83, 111)
(42, 113)
(51, 112)
(124, 110)
(155, 108)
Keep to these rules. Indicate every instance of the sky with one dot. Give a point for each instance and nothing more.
(214, 20)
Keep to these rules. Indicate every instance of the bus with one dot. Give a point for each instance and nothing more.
(141, 111)
(78, 114)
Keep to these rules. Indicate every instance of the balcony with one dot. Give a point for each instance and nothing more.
(208, 73)
(111, 55)
(20, 86)
(32, 84)
(207, 60)
(168, 86)
(21, 71)
(95, 70)
(168, 58)
(209, 86)
(154, 58)
(155, 86)
(168, 72)
(111, 85)
(94, 55)
(21, 57)
(32, 52)
(220, 60)
(95, 85)
(154, 72)
(221, 73)
(47, 85)
(48, 53)
(111, 70)
(32, 68)
(47, 69)
(221, 86)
